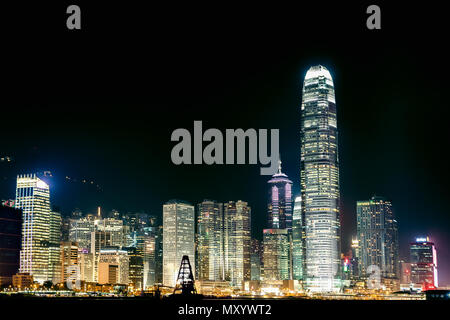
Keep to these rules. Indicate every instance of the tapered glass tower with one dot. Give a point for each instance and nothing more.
(319, 178)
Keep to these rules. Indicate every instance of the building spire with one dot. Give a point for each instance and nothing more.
(279, 164)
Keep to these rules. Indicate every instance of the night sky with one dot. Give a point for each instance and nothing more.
(101, 104)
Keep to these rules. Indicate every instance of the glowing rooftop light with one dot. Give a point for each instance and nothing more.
(41, 184)
(318, 71)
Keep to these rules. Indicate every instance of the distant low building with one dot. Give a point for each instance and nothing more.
(22, 280)
(113, 267)
(405, 273)
(69, 259)
(438, 294)
(216, 288)
(87, 265)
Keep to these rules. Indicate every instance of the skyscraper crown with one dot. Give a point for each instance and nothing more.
(318, 71)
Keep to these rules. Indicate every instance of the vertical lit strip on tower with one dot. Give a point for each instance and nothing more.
(319, 178)
(297, 238)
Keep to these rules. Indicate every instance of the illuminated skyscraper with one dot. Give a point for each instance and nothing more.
(33, 197)
(276, 254)
(87, 265)
(237, 242)
(297, 240)
(378, 236)
(210, 241)
(136, 267)
(54, 250)
(146, 248)
(424, 263)
(114, 227)
(256, 259)
(92, 233)
(178, 238)
(10, 238)
(279, 206)
(319, 179)
(80, 231)
(69, 259)
(99, 240)
(355, 249)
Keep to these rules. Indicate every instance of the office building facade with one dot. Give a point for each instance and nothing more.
(113, 267)
(210, 237)
(178, 238)
(237, 242)
(276, 254)
(378, 237)
(33, 198)
(423, 260)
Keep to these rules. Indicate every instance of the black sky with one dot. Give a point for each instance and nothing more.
(102, 103)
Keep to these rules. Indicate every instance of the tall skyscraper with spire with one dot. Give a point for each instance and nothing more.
(277, 238)
(319, 180)
(279, 206)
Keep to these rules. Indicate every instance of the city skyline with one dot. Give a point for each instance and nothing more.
(91, 185)
(113, 245)
(301, 240)
(100, 119)
(110, 213)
